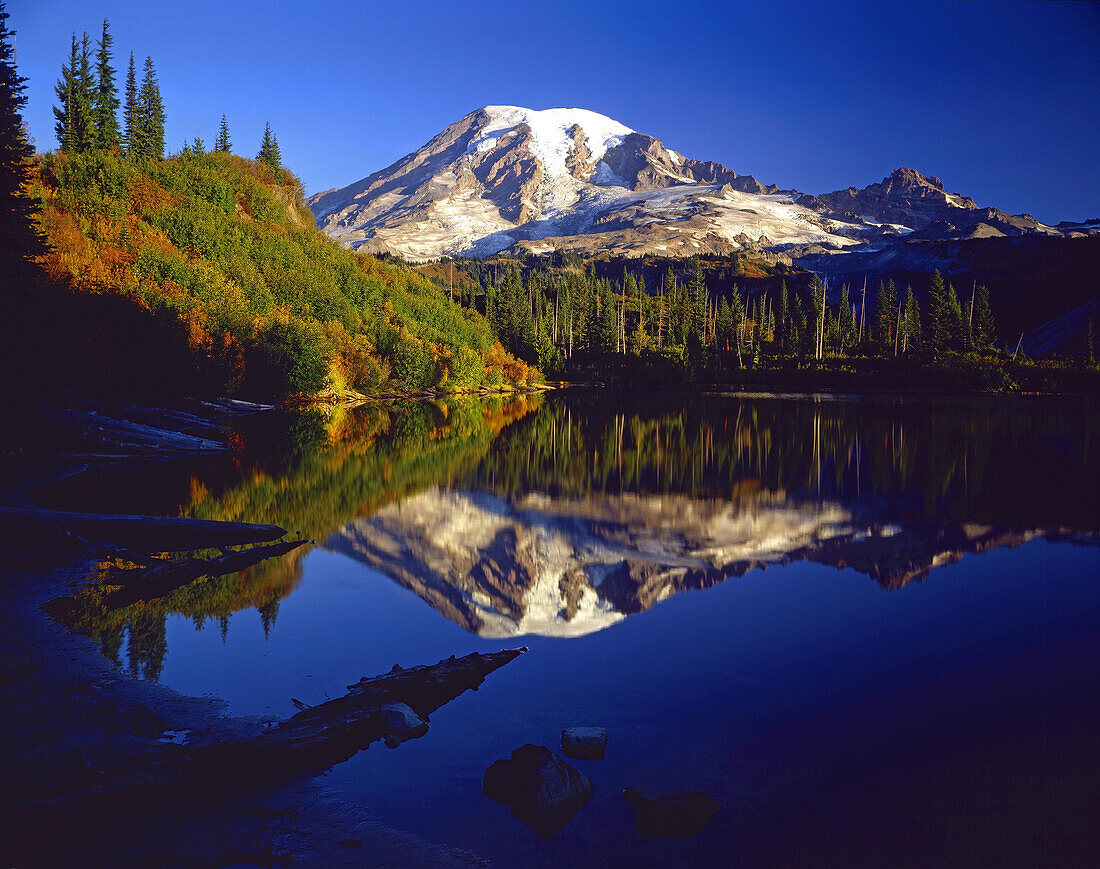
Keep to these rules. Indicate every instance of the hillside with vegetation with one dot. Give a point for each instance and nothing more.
(218, 258)
(203, 272)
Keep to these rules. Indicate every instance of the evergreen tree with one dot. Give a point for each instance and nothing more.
(798, 325)
(911, 323)
(130, 135)
(984, 330)
(886, 310)
(607, 325)
(939, 315)
(697, 300)
(150, 116)
(269, 149)
(784, 326)
(105, 104)
(956, 332)
(222, 143)
(19, 238)
(723, 325)
(846, 323)
(75, 120)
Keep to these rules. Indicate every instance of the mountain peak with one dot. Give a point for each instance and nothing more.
(515, 178)
(906, 176)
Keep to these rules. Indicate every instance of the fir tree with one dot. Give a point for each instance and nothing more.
(723, 326)
(784, 327)
(19, 238)
(911, 323)
(269, 149)
(150, 115)
(697, 299)
(75, 120)
(886, 310)
(222, 143)
(105, 104)
(130, 134)
(985, 330)
(956, 334)
(939, 315)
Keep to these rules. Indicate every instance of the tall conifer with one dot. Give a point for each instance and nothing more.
(19, 239)
(130, 110)
(269, 149)
(75, 124)
(911, 322)
(150, 116)
(985, 330)
(105, 104)
(222, 143)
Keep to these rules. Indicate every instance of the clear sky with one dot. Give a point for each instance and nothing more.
(1001, 100)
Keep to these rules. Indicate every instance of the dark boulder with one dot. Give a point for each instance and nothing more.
(543, 790)
(676, 815)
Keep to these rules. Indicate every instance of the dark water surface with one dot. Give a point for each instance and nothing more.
(866, 626)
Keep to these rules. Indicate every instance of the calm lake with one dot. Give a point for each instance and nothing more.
(866, 626)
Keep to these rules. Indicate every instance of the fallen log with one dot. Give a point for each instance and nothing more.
(128, 437)
(140, 533)
(164, 578)
(306, 743)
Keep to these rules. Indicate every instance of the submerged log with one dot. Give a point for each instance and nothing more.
(306, 743)
(140, 533)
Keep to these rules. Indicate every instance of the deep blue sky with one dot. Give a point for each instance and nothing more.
(1001, 100)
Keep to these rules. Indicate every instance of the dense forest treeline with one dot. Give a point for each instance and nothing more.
(727, 319)
(202, 272)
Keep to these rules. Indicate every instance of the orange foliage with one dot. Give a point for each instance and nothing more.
(146, 195)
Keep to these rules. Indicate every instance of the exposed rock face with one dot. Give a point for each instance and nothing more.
(506, 177)
(904, 197)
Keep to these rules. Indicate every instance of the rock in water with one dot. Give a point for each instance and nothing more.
(544, 791)
(584, 743)
(677, 815)
(402, 723)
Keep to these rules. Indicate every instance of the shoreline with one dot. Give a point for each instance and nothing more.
(69, 715)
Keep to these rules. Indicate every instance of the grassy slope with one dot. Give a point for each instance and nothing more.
(207, 272)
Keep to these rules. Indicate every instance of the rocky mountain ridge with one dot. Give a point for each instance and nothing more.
(511, 178)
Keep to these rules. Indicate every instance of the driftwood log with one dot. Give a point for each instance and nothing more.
(307, 743)
(126, 437)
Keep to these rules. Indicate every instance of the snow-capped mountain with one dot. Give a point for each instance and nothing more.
(570, 179)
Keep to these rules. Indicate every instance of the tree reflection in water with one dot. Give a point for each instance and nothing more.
(669, 490)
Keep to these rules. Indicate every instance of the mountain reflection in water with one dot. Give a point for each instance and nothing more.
(561, 515)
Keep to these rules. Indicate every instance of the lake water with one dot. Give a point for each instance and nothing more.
(866, 626)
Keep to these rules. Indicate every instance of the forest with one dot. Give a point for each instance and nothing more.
(734, 320)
